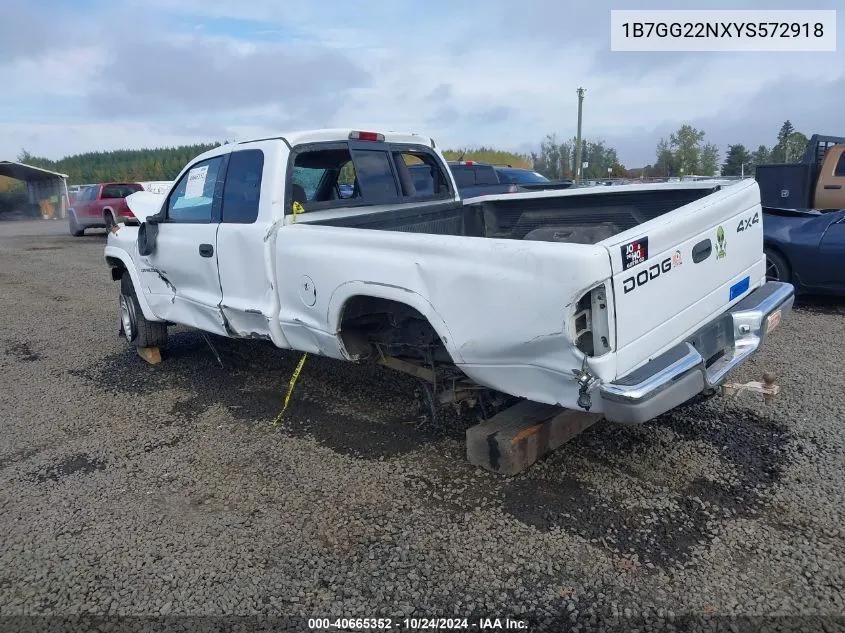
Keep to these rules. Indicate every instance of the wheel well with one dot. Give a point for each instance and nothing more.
(117, 267)
(768, 246)
(372, 324)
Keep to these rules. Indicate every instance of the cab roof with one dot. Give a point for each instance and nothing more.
(343, 134)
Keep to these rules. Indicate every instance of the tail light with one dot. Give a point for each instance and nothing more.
(591, 325)
(366, 136)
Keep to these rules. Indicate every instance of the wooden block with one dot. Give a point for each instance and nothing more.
(150, 354)
(511, 441)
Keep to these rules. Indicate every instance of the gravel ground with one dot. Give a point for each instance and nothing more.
(133, 490)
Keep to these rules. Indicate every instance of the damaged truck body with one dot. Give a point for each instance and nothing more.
(625, 301)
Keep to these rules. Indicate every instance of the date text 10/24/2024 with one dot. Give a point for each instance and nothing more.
(417, 624)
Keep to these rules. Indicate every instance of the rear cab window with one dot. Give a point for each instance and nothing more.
(360, 173)
(474, 175)
(120, 190)
(485, 175)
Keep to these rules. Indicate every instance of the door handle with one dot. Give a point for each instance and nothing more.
(833, 186)
(702, 250)
(206, 250)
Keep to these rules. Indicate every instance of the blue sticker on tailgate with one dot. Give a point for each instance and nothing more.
(739, 287)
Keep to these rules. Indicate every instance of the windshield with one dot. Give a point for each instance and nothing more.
(520, 175)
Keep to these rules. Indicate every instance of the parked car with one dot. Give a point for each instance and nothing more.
(806, 248)
(101, 206)
(817, 182)
(630, 309)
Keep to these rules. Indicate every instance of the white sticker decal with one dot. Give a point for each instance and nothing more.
(196, 182)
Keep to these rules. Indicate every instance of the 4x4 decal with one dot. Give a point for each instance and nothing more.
(747, 223)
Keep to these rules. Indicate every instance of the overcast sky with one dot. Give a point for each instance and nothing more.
(141, 73)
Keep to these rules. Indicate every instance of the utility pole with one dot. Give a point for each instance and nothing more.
(578, 163)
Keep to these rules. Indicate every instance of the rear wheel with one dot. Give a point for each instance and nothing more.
(109, 219)
(777, 268)
(73, 225)
(133, 325)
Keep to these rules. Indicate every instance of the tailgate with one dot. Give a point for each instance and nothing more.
(679, 271)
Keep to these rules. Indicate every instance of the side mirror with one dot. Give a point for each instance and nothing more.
(147, 233)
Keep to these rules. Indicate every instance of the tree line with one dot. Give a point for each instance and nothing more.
(162, 163)
(789, 148)
(684, 153)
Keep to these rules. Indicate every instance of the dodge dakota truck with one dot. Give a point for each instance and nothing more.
(100, 206)
(626, 300)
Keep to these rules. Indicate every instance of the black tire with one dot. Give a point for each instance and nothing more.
(73, 225)
(141, 332)
(777, 268)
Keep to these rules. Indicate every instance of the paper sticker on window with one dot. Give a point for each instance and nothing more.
(196, 182)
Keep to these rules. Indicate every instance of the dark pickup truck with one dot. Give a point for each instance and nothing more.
(804, 218)
(481, 179)
(817, 182)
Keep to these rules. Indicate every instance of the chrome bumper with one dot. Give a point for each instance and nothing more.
(684, 371)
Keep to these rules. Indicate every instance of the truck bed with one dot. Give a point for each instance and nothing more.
(572, 216)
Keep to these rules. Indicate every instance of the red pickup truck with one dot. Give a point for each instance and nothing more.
(101, 206)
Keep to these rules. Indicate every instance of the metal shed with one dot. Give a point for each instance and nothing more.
(46, 190)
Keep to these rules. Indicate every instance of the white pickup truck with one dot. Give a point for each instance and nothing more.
(624, 300)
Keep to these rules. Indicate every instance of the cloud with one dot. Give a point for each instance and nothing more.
(501, 75)
(195, 76)
(26, 31)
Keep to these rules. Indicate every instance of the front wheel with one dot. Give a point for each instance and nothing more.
(777, 268)
(133, 325)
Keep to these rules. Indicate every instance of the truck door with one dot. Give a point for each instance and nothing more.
(248, 294)
(180, 276)
(830, 188)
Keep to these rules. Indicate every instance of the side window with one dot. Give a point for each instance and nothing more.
(192, 199)
(840, 166)
(90, 194)
(242, 190)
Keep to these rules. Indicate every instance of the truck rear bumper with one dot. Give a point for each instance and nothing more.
(701, 362)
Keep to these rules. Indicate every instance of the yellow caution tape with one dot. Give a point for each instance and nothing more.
(291, 385)
(297, 209)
